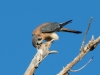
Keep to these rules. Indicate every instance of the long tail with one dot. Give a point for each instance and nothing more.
(64, 23)
(69, 30)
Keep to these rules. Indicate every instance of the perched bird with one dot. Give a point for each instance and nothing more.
(47, 31)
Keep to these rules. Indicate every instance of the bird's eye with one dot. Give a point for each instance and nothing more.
(39, 39)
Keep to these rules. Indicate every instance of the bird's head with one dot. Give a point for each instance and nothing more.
(36, 42)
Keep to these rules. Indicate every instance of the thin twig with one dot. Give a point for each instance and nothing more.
(84, 39)
(82, 66)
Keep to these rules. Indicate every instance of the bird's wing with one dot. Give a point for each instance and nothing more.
(50, 27)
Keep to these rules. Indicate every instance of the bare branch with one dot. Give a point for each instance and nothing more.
(84, 39)
(82, 66)
(40, 55)
(91, 45)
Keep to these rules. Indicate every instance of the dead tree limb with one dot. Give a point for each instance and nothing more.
(83, 51)
(82, 46)
(40, 55)
(88, 47)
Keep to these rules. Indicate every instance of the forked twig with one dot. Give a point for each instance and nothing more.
(83, 51)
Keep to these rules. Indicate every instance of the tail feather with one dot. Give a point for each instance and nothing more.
(64, 23)
(69, 30)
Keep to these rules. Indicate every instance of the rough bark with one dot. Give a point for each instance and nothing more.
(40, 55)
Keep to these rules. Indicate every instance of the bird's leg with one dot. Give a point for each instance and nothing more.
(52, 40)
(49, 43)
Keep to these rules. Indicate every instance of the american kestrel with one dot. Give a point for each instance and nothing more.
(47, 31)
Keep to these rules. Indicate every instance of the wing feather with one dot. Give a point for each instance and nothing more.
(50, 27)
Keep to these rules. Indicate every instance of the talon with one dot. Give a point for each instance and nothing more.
(52, 40)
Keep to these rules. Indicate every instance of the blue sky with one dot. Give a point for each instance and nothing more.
(18, 18)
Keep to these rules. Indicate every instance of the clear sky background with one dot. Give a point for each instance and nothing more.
(18, 18)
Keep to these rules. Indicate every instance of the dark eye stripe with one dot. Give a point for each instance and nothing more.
(39, 39)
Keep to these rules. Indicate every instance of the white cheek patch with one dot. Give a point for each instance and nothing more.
(54, 36)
